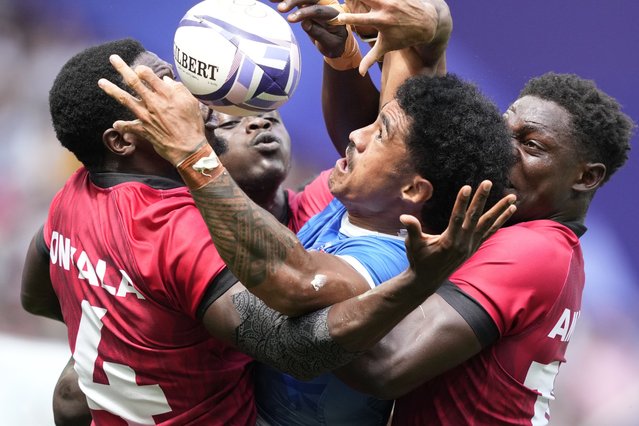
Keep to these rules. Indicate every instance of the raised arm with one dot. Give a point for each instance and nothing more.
(349, 100)
(408, 46)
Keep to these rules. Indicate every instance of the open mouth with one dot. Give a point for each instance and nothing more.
(342, 165)
(266, 142)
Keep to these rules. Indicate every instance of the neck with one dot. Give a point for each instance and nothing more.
(273, 202)
(377, 224)
(140, 166)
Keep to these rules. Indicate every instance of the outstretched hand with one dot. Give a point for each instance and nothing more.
(315, 17)
(401, 24)
(168, 115)
(434, 257)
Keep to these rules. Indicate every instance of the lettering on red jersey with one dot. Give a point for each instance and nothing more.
(62, 254)
(565, 326)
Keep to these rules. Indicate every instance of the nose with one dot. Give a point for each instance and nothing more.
(357, 139)
(257, 123)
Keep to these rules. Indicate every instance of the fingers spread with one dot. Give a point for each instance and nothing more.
(129, 76)
(130, 127)
(354, 19)
(288, 5)
(318, 13)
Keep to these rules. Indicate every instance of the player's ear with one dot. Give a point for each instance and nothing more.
(418, 190)
(116, 143)
(590, 177)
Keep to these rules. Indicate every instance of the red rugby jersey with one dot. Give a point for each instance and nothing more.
(131, 260)
(529, 278)
(130, 263)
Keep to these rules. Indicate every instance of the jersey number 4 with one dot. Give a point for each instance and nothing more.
(122, 396)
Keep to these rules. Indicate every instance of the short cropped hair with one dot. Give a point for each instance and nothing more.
(456, 137)
(80, 110)
(601, 131)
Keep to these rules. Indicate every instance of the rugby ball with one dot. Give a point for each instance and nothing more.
(239, 57)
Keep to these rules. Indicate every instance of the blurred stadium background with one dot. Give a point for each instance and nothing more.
(499, 45)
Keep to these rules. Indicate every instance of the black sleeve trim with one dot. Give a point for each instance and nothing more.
(474, 314)
(40, 244)
(578, 228)
(217, 287)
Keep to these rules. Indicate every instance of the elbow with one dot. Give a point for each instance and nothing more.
(70, 407)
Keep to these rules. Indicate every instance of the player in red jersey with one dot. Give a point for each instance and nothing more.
(246, 153)
(256, 150)
(153, 315)
(487, 347)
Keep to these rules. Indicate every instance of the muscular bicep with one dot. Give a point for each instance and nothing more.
(431, 340)
(36, 294)
(322, 280)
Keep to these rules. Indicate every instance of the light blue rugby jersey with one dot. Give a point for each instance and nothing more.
(325, 400)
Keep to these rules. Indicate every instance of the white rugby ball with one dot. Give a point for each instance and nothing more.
(239, 57)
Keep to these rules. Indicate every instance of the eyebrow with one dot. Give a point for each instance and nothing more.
(531, 126)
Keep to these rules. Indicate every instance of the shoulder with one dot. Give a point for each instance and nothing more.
(549, 241)
(519, 272)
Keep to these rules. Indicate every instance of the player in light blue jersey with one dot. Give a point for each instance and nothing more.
(281, 399)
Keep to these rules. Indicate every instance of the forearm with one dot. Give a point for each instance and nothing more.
(302, 346)
(431, 340)
(324, 340)
(250, 240)
(360, 322)
(349, 102)
(262, 253)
